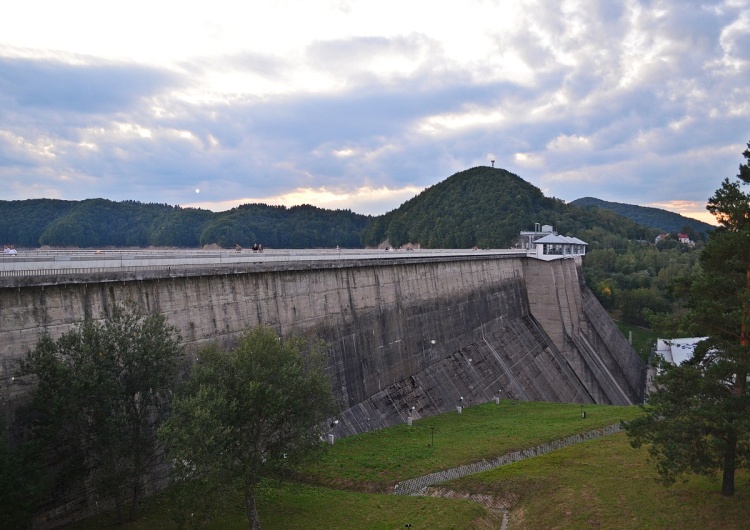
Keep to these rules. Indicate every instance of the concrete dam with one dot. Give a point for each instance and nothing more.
(410, 333)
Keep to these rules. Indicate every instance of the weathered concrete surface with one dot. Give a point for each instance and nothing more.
(577, 324)
(413, 333)
(402, 334)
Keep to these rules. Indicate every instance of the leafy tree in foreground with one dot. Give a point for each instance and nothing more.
(103, 391)
(249, 413)
(21, 480)
(699, 419)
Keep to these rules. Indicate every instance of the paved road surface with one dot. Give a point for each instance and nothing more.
(35, 262)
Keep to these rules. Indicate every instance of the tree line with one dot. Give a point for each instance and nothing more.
(102, 223)
(662, 220)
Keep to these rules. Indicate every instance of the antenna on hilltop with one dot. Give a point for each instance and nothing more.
(492, 162)
(492, 159)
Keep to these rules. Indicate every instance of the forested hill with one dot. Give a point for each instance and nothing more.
(103, 223)
(488, 207)
(481, 206)
(662, 220)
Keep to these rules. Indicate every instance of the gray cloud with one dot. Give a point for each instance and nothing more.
(90, 89)
(627, 108)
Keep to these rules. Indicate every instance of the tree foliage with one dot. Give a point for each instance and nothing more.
(488, 207)
(104, 223)
(103, 390)
(250, 412)
(646, 284)
(693, 425)
(699, 418)
(280, 227)
(22, 484)
(657, 218)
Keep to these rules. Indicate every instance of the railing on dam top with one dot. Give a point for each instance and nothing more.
(71, 262)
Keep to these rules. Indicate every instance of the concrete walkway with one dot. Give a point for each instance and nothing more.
(417, 486)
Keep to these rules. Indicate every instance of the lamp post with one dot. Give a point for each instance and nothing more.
(460, 406)
(331, 436)
(410, 419)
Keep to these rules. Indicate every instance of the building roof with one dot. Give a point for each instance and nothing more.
(554, 238)
(677, 351)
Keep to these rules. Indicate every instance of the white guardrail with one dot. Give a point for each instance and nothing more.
(53, 262)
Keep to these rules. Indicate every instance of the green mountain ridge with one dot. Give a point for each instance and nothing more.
(488, 207)
(103, 223)
(481, 206)
(662, 220)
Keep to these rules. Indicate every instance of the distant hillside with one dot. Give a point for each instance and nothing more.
(488, 207)
(103, 223)
(662, 220)
(482, 206)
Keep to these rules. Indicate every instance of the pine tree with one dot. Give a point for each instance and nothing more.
(699, 418)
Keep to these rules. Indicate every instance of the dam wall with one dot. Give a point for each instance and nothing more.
(407, 336)
(586, 336)
(403, 333)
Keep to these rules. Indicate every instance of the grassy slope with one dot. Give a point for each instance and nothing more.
(377, 460)
(603, 483)
(607, 484)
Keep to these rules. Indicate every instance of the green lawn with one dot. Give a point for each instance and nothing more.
(375, 461)
(606, 483)
(599, 484)
(289, 506)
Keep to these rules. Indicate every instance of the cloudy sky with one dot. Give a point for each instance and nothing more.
(361, 104)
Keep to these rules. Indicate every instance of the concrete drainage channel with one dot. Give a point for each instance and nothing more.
(419, 485)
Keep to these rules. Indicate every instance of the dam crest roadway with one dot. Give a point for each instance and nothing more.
(81, 262)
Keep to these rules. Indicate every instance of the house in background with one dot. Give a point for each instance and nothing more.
(685, 240)
(682, 238)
